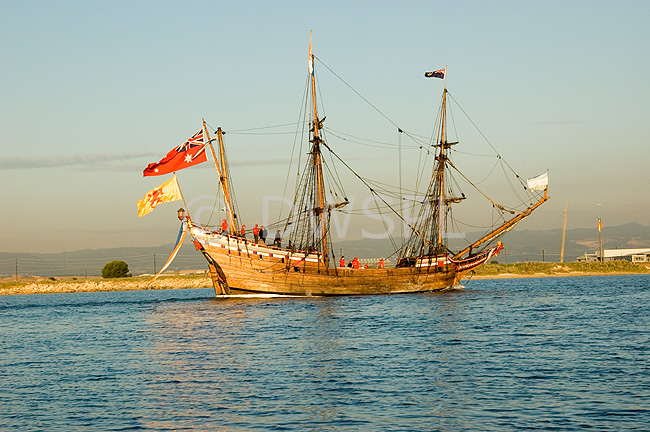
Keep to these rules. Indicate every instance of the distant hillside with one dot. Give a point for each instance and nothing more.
(90, 261)
(522, 245)
(527, 245)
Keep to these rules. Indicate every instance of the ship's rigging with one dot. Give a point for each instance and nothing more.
(427, 213)
(300, 261)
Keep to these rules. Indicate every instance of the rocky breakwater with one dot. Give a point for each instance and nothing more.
(49, 287)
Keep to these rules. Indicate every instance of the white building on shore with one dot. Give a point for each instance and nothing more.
(634, 255)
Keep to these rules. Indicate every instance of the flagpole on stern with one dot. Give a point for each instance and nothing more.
(182, 197)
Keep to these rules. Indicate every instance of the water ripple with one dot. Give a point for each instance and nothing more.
(550, 354)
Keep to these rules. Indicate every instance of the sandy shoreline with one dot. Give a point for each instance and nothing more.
(45, 286)
(49, 287)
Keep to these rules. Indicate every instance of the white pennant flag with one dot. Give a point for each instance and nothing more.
(538, 183)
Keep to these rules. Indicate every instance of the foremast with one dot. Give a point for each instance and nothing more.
(439, 197)
(440, 176)
(434, 215)
(317, 160)
(442, 200)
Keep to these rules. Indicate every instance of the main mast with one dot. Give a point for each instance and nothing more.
(318, 162)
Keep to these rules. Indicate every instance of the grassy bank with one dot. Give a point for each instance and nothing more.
(565, 269)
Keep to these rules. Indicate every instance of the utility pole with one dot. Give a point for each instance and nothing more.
(16, 269)
(543, 260)
(154, 264)
(600, 239)
(566, 206)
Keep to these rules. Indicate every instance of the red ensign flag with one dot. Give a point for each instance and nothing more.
(191, 152)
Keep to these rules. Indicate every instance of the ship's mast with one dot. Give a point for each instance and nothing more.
(440, 192)
(316, 141)
(222, 172)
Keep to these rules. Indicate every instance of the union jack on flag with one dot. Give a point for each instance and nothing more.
(196, 138)
(190, 153)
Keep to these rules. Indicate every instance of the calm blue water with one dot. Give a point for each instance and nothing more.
(552, 354)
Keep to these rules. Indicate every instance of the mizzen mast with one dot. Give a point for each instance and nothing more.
(222, 172)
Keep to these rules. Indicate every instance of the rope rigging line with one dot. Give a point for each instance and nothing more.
(390, 237)
(486, 140)
(336, 179)
(379, 196)
(474, 154)
(366, 100)
(490, 173)
(243, 131)
(357, 93)
(377, 144)
(384, 209)
(302, 114)
(479, 190)
(512, 187)
(380, 185)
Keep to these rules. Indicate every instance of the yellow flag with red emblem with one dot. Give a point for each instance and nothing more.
(166, 192)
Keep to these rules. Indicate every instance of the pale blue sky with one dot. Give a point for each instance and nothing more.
(93, 91)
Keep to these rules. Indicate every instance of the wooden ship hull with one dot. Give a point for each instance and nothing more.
(239, 266)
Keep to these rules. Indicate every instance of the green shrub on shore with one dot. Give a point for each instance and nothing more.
(116, 269)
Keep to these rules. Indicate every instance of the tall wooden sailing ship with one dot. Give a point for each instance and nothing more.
(305, 265)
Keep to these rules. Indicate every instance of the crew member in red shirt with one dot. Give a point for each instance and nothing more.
(256, 233)
(381, 264)
(342, 261)
(243, 231)
(224, 226)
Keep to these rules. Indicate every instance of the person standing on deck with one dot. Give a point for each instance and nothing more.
(342, 261)
(381, 264)
(355, 263)
(243, 231)
(256, 233)
(224, 227)
(278, 239)
(263, 234)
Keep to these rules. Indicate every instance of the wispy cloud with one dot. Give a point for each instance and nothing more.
(260, 162)
(560, 122)
(116, 162)
(57, 161)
